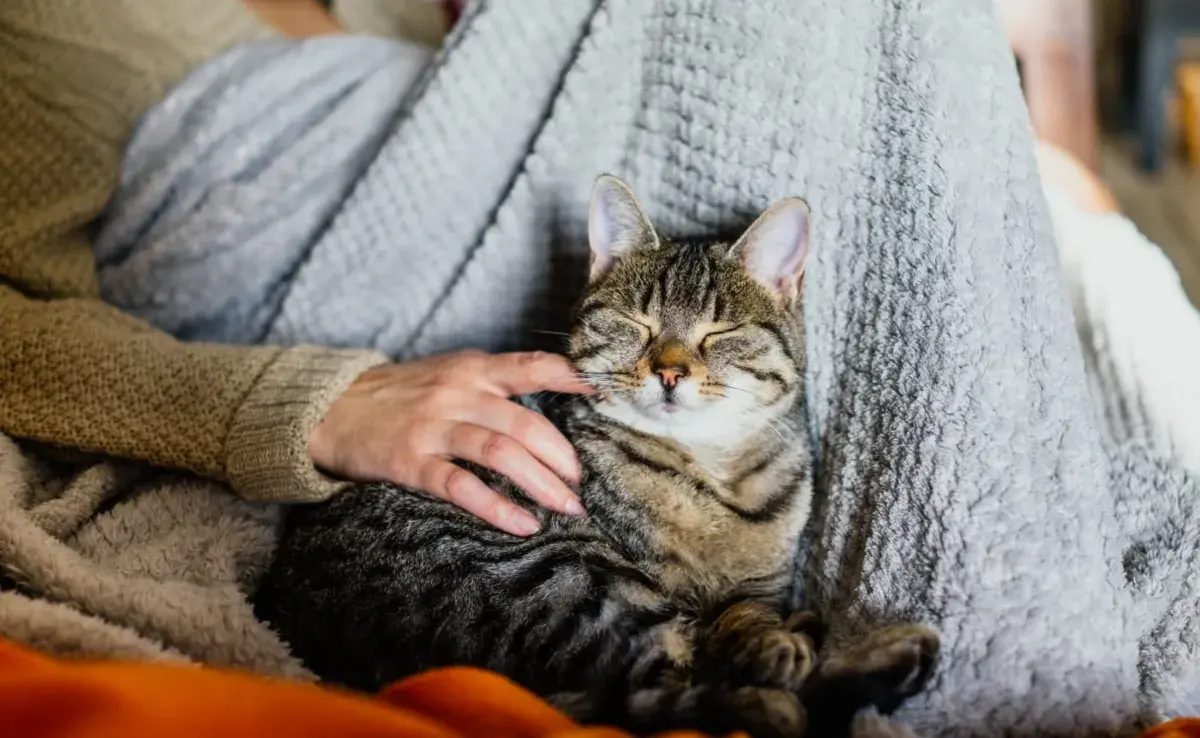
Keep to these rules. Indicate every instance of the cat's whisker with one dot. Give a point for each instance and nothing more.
(775, 425)
(730, 386)
(551, 333)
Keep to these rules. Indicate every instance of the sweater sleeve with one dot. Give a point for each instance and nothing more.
(77, 373)
(74, 371)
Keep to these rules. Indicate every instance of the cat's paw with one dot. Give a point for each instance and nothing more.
(773, 657)
(768, 713)
(895, 662)
(870, 724)
(808, 623)
(755, 647)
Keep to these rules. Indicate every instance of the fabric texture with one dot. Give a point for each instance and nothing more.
(1138, 325)
(1141, 341)
(161, 576)
(964, 477)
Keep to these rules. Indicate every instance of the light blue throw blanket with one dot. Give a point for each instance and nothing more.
(356, 192)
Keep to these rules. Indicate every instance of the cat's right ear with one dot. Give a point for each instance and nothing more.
(775, 247)
(616, 224)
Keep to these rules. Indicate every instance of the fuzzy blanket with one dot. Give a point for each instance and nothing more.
(315, 192)
(118, 561)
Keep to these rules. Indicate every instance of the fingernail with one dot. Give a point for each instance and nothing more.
(525, 524)
(573, 507)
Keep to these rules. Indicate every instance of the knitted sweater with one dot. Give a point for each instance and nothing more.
(74, 75)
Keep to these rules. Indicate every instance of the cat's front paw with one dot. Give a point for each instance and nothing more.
(768, 713)
(760, 649)
(890, 665)
(773, 657)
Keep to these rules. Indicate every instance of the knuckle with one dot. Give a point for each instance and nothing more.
(498, 449)
(400, 466)
(528, 426)
(431, 479)
(455, 480)
(470, 361)
(531, 359)
(420, 437)
(494, 508)
(443, 396)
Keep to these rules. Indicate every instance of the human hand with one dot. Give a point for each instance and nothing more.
(403, 423)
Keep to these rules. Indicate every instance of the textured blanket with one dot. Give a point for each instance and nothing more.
(309, 193)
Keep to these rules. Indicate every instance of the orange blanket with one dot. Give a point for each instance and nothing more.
(44, 698)
(1181, 728)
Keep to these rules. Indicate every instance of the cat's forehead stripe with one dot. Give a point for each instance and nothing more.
(687, 285)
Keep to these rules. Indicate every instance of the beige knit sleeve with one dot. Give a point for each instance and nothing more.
(79, 374)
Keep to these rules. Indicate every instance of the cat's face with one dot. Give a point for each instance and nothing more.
(700, 342)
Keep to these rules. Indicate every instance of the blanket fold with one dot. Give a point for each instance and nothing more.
(375, 198)
(160, 575)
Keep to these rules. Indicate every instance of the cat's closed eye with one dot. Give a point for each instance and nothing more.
(709, 332)
(646, 326)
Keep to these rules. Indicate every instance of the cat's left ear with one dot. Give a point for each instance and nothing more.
(617, 224)
(775, 247)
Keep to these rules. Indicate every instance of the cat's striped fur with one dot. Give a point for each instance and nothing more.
(661, 607)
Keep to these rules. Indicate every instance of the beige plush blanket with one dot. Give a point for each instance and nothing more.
(116, 560)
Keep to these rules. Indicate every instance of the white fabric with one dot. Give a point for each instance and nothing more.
(1131, 307)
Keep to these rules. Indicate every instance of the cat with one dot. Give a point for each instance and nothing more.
(662, 608)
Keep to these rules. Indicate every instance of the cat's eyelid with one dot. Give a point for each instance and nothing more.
(647, 325)
(643, 321)
(706, 332)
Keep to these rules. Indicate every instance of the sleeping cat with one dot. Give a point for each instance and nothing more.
(660, 608)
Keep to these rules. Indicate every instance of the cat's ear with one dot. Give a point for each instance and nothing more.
(776, 245)
(616, 224)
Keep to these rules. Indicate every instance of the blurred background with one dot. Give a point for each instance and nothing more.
(1115, 83)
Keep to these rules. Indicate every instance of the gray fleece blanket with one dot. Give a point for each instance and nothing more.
(357, 192)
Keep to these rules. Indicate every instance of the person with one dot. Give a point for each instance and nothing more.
(276, 424)
(1131, 311)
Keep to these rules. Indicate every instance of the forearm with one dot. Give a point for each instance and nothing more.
(79, 374)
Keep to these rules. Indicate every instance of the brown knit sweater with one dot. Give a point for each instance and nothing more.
(74, 75)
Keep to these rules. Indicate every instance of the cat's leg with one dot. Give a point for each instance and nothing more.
(717, 709)
(750, 644)
(885, 669)
(743, 674)
(663, 695)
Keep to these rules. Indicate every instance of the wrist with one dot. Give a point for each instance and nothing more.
(267, 452)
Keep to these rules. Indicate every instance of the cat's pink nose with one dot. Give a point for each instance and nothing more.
(670, 375)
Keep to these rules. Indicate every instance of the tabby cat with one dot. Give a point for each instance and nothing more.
(660, 608)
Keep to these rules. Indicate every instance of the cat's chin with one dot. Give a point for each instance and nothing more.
(707, 424)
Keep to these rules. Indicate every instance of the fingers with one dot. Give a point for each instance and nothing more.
(504, 455)
(533, 371)
(532, 430)
(462, 488)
